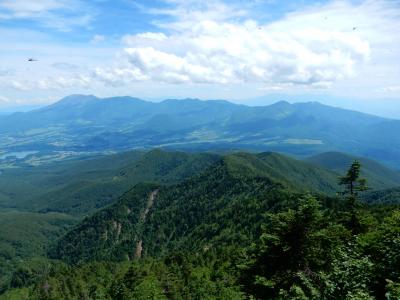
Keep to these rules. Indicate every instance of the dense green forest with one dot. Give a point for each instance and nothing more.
(206, 226)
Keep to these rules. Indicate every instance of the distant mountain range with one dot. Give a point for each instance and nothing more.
(87, 123)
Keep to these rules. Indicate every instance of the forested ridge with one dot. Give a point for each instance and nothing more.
(247, 226)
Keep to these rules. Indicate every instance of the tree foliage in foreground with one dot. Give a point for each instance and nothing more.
(303, 253)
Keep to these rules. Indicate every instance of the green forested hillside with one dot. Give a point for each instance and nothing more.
(25, 235)
(378, 175)
(82, 196)
(23, 186)
(238, 226)
(110, 234)
(179, 211)
(388, 196)
(232, 181)
(81, 186)
(75, 188)
(294, 173)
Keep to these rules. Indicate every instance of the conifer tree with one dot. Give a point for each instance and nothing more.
(353, 185)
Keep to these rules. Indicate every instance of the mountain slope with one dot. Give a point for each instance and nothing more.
(377, 175)
(81, 186)
(388, 196)
(87, 123)
(241, 214)
(178, 212)
(26, 187)
(82, 196)
(291, 172)
(231, 195)
(24, 235)
(235, 191)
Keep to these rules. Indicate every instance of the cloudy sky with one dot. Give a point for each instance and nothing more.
(344, 53)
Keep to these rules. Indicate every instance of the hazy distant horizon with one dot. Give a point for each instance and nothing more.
(390, 109)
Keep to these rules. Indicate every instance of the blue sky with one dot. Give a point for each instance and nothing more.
(344, 53)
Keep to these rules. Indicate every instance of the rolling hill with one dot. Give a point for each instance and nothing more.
(378, 176)
(179, 211)
(81, 186)
(26, 235)
(388, 196)
(87, 123)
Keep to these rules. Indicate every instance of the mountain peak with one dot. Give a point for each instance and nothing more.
(193, 100)
(197, 101)
(76, 99)
(282, 102)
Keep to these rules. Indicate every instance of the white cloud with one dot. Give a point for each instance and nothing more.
(17, 85)
(186, 13)
(98, 38)
(62, 15)
(390, 89)
(209, 46)
(4, 99)
(6, 72)
(49, 83)
(61, 82)
(67, 23)
(65, 66)
(205, 47)
(22, 8)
